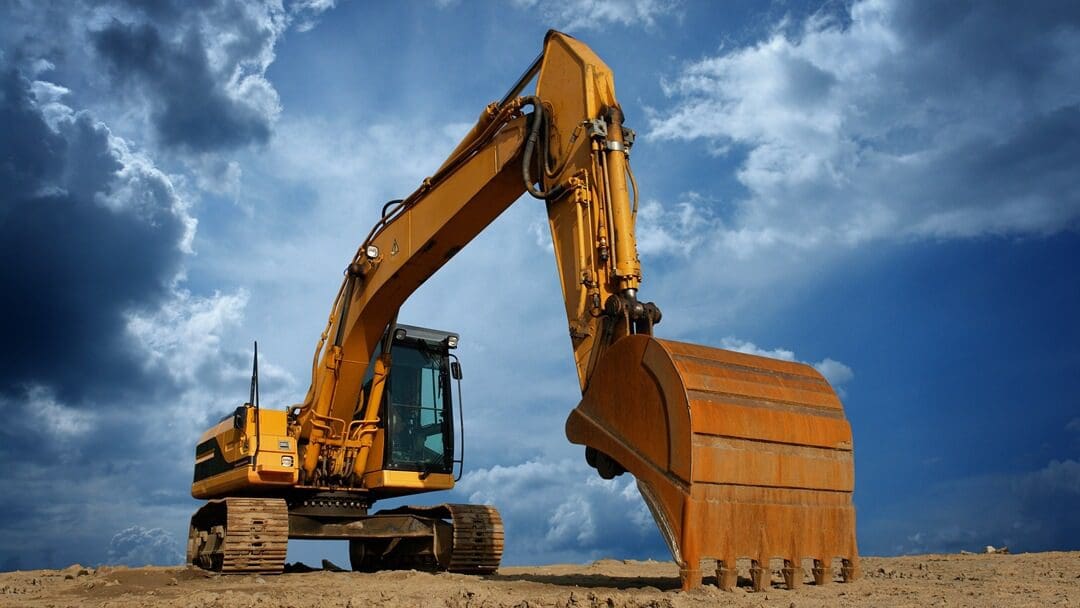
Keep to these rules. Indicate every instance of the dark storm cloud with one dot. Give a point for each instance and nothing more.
(979, 40)
(110, 367)
(79, 248)
(1033, 511)
(195, 71)
(995, 56)
(190, 107)
(93, 231)
(1039, 159)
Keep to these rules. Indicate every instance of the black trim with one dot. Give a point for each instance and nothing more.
(216, 465)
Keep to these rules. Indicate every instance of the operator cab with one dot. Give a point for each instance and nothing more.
(417, 408)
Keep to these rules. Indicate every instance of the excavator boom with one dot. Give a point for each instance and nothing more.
(735, 455)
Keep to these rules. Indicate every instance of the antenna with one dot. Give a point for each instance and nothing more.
(254, 400)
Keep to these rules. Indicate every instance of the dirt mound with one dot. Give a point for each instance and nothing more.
(1032, 579)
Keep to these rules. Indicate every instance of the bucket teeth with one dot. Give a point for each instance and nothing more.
(850, 570)
(822, 572)
(793, 573)
(759, 574)
(727, 575)
(736, 456)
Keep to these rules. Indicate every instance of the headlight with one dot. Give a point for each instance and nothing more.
(451, 341)
(286, 461)
(372, 251)
(399, 334)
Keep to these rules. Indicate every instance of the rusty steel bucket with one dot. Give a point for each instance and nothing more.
(736, 455)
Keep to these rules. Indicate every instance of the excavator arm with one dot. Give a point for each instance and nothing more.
(736, 455)
(571, 150)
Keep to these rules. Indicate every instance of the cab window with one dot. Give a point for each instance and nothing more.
(417, 406)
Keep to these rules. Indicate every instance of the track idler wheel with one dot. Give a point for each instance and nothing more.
(366, 555)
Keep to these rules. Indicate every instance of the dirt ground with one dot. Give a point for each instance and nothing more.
(1032, 579)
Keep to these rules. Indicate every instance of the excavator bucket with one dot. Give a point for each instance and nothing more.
(736, 455)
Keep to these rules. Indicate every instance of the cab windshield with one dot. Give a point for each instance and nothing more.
(418, 409)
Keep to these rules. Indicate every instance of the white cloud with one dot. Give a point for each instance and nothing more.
(541, 231)
(596, 14)
(750, 348)
(834, 371)
(219, 176)
(182, 340)
(560, 510)
(139, 546)
(305, 13)
(571, 522)
(60, 421)
(45, 92)
(884, 129)
(679, 229)
(351, 165)
(184, 334)
(141, 186)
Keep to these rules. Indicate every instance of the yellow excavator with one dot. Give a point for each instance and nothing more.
(736, 455)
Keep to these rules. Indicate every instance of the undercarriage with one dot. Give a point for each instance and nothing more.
(250, 535)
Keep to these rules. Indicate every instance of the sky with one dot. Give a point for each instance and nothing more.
(887, 190)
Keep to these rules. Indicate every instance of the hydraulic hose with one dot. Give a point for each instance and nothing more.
(536, 131)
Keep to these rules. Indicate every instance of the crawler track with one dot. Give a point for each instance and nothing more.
(473, 544)
(239, 535)
(235, 535)
(478, 539)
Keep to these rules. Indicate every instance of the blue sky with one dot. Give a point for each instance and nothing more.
(887, 190)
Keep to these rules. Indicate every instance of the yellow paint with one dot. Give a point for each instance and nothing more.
(407, 480)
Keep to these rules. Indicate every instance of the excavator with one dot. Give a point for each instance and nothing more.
(736, 455)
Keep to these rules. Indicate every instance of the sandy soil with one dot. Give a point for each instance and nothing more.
(1033, 579)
